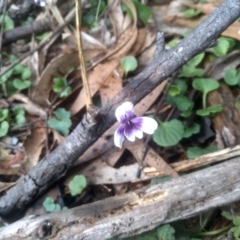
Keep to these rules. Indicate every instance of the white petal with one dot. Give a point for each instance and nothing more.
(122, 109)
(130, 135)
(149, 125)
(119, 137)
(138, 134)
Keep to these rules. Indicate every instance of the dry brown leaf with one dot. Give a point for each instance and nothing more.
(29, 106)
(11, 163)
(99, 172)
(96, 79)
(58, 67)
(112, 85)
(152, 158)
(6, 185)
(34, 144)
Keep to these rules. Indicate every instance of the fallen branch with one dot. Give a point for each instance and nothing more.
(136, 212)
(94, 124)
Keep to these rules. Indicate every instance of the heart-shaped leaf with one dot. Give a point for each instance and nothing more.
(129, 63)
(231, 76)
(77, 185)
(20, 85)
(169, 133)
(4, 128)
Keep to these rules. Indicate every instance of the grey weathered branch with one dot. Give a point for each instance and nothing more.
(56, 164)
(136, 212)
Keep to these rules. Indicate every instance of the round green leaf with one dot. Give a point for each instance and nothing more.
(4, 128)
(191, 12)
(20, 85)
(166, 232)
(205, 85)
(231, 76)
(77, 185)
(222, 48)
(191, 71)
(169, 133)
(174, 90)
(195, 128)
(196, 60)
(194, 152)
(26, 73)
(143, 11)
(3, 114)
(62, 122)
(49, 204)
(129, 63)
(183, 103)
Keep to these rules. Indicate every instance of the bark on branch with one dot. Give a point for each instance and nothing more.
(136, 212)
(165, 63)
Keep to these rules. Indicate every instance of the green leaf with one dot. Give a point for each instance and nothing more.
(143, 12)
(172, 43)
(231, 76)
(236, 221)
(41, 36)
(195, 128)
(129, 63)
(205, 85)
(190, 71)
(77, 185)
(210, 110)
(26, 73)
(222, 48)
(19, 116)
(8, 22)
(191, 12)
(183, 103)
(20, 85)
(236, 231)
(62, 122)
(160, 180)
(166, 232)
(49, 204)
(227, 215)
(194, 152)
(195, 61)
(4, 113)
(169, 133)
(4, 128)
(57, 208)
(60, 86)
(174, 90)
(6, 75)
(18, 69)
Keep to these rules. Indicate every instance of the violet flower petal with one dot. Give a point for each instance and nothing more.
(119, 136)
(149, 125)
(123, 111)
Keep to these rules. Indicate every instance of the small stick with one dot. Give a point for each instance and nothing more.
(81, 59)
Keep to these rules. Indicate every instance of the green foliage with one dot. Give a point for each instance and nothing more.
(205, 85)
(4, 128)
(160, 180)
(17, 78)
(210, 110)
(61, 122)
(184, 103)
(61, 86)
(20, 118)
(8, 22)
(224, 46)
(77, 185)
(236, 222)
(169, 133)
(143, 11)
(129, 63)
(20, 84)
(91, 16)
(232, 76)
(50, 206)
(190, 68)
(188, 132)
(172, 43)
(191, 12)
(194, 152)
(166, 232)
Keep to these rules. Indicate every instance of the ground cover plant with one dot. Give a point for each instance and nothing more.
(119, 119)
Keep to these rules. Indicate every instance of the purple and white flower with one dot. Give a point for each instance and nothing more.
(131, 126)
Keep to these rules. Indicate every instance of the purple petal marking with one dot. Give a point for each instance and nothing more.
(119, 136)
(133, 129)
